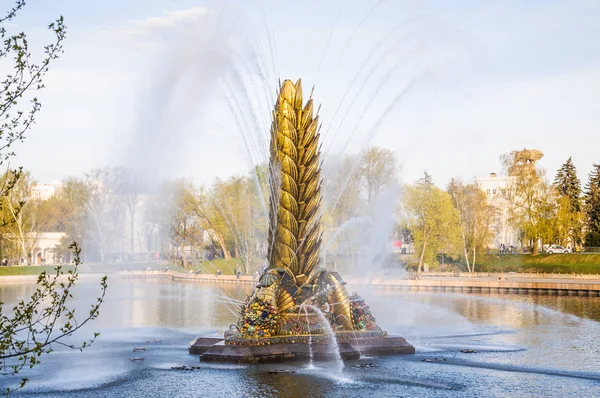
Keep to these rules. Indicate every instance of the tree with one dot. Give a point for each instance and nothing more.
(533, 203)
(568, 224)
(343, 209)
(475, 217)
(352, 194)
(69, 209)
(342, 190)
(378, 169)
(592, 207)
(569, 215)
(103, 209)
(45, 319)
(426, 180)
(129, 188)
(178, 198)
(204, 206)
(567, 184)
(234, 204)
(433, 219)
(23, 215)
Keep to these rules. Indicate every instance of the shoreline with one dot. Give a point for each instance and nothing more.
(542, 284)
(506, 285)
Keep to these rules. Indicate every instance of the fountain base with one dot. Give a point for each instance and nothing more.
(213, 349)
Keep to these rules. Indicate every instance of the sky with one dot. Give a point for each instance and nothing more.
(184, 88)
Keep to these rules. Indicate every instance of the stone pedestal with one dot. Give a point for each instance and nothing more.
(215, 350)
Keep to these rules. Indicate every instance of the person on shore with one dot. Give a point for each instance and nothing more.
(218, 272)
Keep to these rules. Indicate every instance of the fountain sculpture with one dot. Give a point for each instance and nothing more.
(298, 309)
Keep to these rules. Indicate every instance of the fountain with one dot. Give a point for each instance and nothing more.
(298, 310)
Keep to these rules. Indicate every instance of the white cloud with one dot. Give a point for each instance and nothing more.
(168, 22)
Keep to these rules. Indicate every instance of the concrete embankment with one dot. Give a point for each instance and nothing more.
(514, 284)
(208, 278)
(561, 287)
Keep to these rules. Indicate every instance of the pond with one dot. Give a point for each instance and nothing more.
(525, 346)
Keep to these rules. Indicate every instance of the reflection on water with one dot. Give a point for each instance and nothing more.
(526, 346)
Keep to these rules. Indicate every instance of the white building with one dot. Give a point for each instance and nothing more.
(44, 249)
(45, 191)
(498, 191)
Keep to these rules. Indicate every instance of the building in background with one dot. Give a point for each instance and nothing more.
(45, 248)
(45, 191)
(498, 191)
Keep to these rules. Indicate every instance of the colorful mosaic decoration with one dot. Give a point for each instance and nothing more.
(361, 314)
(258, 319)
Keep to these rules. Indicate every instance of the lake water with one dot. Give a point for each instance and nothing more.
(526, 346)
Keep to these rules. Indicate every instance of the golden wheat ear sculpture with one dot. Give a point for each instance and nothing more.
(294, 230)
(296, 300)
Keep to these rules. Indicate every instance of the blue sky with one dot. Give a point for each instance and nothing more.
(449, 86)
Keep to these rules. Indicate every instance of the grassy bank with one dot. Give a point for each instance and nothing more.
(29, 270)
(548, 263)
(227, 267)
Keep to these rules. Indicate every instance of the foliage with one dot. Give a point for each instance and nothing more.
(378, 169)
(354, 188)
(567, 184)
(230, 214)
(35, 326)
(24, 216)
(129, 187)
(343, 203)
(234, 202)
(567, 229)
(433, 220)
(533, 205)
(69, 214)
(26, 77)
(102, 208)
(475, 217)
(592, 207)
(569, 214)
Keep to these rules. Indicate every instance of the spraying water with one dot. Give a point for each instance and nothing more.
(335, 348)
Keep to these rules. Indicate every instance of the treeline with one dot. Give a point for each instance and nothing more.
(462, 220)
(116, 216)
(230, 218)
(97, 210)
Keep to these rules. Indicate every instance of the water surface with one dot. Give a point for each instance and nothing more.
(526, 346)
